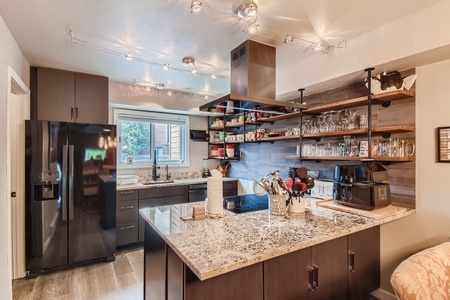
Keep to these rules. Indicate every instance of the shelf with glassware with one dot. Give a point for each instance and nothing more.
(339, 119)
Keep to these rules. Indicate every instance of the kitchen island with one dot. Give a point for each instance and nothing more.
(257, 255)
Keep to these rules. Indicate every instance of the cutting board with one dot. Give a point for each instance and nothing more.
(379, 213)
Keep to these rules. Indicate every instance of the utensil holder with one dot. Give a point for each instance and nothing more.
(297, 206)
(277, 205)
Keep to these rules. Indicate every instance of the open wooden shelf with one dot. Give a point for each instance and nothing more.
(360, 101)
(378, 130)
(226, 143)
(281, 117)
(352, 158)
(225, 158)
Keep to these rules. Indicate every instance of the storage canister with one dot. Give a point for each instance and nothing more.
(230, 150)
(214, 150)
(221, 152)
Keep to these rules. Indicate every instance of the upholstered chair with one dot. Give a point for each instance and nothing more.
(424, 275)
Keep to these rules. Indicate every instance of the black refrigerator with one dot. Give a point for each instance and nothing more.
(70, 193)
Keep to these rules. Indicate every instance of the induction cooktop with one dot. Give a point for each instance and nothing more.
(246, 203)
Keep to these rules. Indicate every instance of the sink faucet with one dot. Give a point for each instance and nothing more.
(155, 174)
(167, 172)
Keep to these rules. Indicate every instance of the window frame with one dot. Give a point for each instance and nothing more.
(120, 114)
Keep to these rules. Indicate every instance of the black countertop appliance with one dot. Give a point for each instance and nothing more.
(361, 186)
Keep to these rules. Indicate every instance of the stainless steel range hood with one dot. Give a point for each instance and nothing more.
(253, 78)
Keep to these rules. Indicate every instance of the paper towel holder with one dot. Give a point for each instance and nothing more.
(199, 135)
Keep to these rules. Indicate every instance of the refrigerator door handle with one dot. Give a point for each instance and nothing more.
(64, 184)
(71, 191)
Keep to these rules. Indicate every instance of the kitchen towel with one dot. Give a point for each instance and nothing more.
(214, 203)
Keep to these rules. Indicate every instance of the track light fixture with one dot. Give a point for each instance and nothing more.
(196, 6)
(129, 56)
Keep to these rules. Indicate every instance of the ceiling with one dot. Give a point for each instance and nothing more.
(164, 31)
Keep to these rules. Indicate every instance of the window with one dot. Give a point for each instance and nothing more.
(141, 134)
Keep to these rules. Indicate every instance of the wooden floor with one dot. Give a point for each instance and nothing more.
(120, 279)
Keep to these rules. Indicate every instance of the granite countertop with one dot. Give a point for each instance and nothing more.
(163, 184)
(212, 247)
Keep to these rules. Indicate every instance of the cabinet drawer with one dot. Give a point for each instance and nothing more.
(230, 185)
(127, 211)
(127, 195)
(229, 193)
(163, 191)
(126, 233)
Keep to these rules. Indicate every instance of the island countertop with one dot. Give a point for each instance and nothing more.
(176, 182)
(212, 247)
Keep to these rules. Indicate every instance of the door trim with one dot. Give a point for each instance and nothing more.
(15, 226)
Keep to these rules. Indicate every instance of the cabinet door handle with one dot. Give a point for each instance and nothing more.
(352, 261)
(71, 113)
(311, 279)
(76, 113)
(316, 271)
(127, 207)
(127, 227)
(127, 193)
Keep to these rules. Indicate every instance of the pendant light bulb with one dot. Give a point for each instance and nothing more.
(194, 70)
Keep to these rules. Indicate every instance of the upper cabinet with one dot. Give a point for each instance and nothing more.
(65, 96)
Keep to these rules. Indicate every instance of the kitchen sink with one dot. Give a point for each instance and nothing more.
(157, 182)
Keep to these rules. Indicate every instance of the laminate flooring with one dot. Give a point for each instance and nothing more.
(121, 279)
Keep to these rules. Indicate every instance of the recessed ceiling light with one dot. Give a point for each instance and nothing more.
(129, 56)
(160, 86)
(318, 46)
(169, 93)
(166, 67)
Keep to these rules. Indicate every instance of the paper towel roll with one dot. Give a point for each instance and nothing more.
(214, 204)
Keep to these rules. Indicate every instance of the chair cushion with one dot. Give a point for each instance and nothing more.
(425, 275)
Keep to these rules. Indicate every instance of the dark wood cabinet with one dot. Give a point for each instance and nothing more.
(64, 96)
(317, 272)
(161, 196)
(127, 215)
(91, 98)
(52, 94)
(364, 263)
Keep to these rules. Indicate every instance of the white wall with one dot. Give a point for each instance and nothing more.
(431, 224)
(10, 55)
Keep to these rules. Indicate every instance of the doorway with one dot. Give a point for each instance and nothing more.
(17, 111)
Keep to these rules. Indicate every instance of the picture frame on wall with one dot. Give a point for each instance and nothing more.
(443, 144)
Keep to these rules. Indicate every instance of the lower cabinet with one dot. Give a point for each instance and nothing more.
(126, 217)
(152, 197)
(343, 268)
(364, 263)
(317, 272)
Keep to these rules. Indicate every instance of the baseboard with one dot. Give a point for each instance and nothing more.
(383, 295)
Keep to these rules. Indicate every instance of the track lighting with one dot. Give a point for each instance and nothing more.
(166, 67)
(288, 39)
(129, 56)
(196, 6)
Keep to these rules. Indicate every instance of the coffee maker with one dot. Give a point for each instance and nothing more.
(361, 186)
(206, 172)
